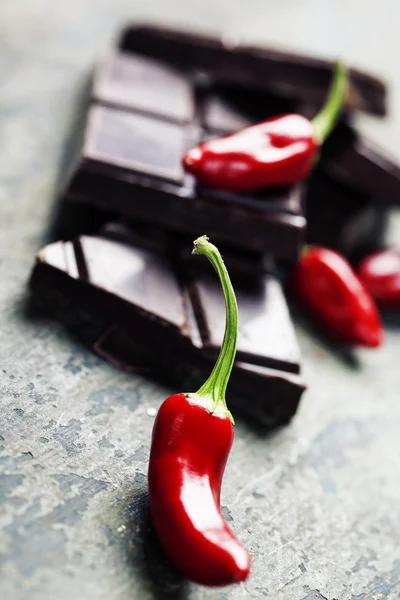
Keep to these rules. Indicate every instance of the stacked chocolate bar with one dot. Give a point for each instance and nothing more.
(158, 94)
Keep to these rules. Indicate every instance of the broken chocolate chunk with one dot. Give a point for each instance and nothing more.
(158, 304)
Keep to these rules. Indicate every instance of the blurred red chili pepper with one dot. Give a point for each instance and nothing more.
(192, 437)
(279, 151)
(380, 273)
(327, 285)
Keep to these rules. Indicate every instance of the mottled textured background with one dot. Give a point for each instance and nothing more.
(318, 502)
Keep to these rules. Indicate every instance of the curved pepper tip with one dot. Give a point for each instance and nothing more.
(370, 338)
(243, 566)
(235, 569)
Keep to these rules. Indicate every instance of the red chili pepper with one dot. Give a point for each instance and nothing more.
(279, 151)
(380, 273)
(325, 282)
(192, 437)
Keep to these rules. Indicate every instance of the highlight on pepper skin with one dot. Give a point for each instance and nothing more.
(277, 152)
(187, 460)
(192, 438)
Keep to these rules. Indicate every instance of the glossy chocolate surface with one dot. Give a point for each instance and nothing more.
(130, 162)
(165, 91)
(359, 164)
(169, 311)
(280, 73)
(162, 92)
(145, 85)
(242, 265)
(267, 396)
(340, 218)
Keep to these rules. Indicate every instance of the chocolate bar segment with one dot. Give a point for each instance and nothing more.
(140, 282)
(356, 162)
(343, 219)
(235, 224)
(148, 108)
(117, 280)
(141, 293)
(261, 305)
(135, 142)
(227, 108)
(131, 166)
(142, 84)
(267, 396)
(221, 116)
(243, 265)
(285, 74)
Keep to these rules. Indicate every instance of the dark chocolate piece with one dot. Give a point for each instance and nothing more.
(141, 235)
(139, 282)
(139, 291)
(221, 116)
(135, 142)
(145, 85)
(260, 304)
(227, 108)
(131, 165)
(131, 161)
(244, 265)
(342, 219)
(359, 164)
(281, 73)
(268, 396)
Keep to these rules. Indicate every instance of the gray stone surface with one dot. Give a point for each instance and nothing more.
(317, 503)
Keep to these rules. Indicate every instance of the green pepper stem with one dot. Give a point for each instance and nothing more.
(326, 119)
(216, 384)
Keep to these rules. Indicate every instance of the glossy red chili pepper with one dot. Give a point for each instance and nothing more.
(279, 151)
(192, 437)
(327, 285)
(380, 273)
